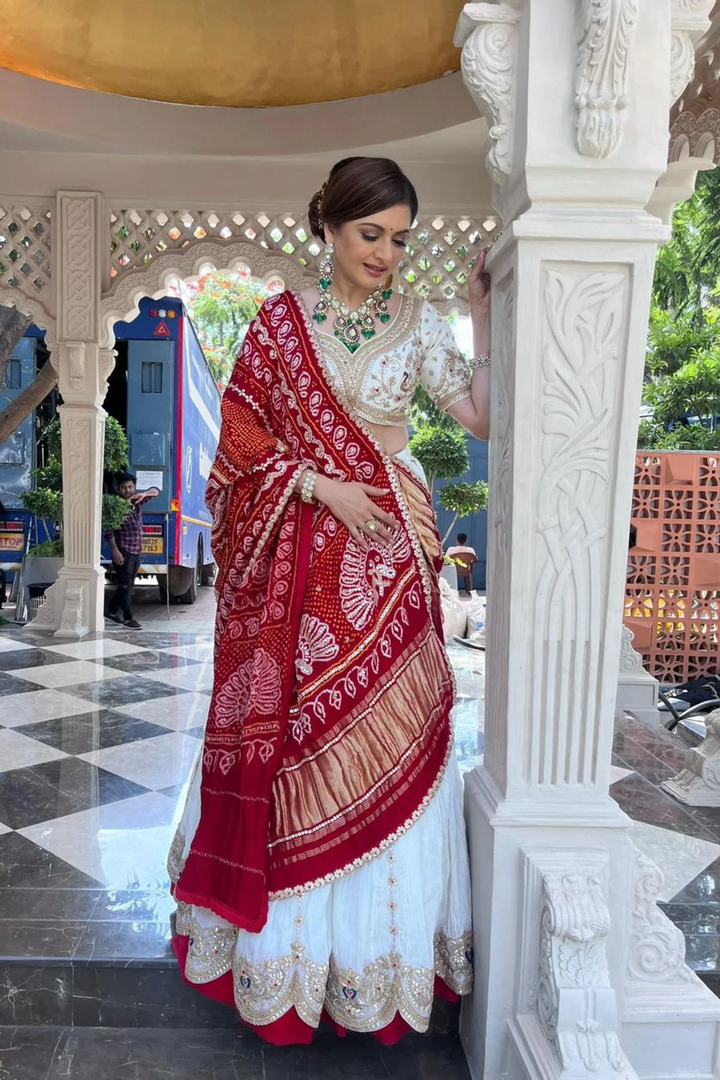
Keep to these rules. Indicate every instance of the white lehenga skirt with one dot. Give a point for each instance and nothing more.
(364, 948)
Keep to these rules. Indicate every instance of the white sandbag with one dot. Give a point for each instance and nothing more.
(453, 611)
(475, 622)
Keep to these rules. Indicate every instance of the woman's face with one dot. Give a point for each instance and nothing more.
(369, 249)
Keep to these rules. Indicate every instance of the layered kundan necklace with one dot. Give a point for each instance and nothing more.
(351, 327)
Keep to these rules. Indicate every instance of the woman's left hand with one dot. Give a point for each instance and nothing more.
(479, 287)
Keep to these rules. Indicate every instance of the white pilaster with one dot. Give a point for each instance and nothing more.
(577, 147)
(74, 606)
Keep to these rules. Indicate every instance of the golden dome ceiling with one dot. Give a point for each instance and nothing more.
(232, 52)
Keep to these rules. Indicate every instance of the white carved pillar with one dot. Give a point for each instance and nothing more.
(577, 144)
(75, 604)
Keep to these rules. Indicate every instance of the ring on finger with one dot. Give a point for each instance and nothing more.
(371, 525)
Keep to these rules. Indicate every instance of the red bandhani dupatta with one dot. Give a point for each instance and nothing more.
(329, 725)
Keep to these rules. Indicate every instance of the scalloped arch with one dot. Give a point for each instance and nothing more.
(122, 301)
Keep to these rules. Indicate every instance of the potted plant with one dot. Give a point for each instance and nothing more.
(43, 562)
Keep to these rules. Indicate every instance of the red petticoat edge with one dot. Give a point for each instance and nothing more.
(289, 1029)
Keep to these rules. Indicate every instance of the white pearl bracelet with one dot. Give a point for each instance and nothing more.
(308, 483)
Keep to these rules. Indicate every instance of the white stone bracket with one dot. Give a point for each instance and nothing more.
(690, 22)
(488, 37)
(567, 1018)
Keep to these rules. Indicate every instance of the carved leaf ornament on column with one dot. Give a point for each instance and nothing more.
(503, 386)
(605, 34)
(582, 336)
(77, 437)
(77, 364)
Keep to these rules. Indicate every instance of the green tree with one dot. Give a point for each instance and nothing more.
(693, 389)
(45, 501)
(682, 371)
(442, 452)
(687, 270)
(222, 305)
(463, 499)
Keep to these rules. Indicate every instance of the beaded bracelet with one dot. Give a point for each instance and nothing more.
(476, 362)
(308, 483)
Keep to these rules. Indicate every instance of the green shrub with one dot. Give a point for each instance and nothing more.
(45, 501)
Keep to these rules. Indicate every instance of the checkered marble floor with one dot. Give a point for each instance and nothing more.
(97, 741)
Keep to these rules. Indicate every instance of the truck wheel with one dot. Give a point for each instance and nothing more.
(190, 596)
(162, 587)
(208, 573)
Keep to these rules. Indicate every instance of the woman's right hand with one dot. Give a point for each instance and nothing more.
(352, 504)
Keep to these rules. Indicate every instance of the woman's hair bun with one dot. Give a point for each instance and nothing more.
(315, 214)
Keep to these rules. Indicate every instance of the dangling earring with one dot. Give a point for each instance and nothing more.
(387, 284)
(327, 269)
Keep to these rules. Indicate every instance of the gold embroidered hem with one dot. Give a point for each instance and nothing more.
(360, 1001)
(454, 961)
(369, 1000)
(265, 992)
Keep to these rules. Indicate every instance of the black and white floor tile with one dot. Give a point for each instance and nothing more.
(97, 741)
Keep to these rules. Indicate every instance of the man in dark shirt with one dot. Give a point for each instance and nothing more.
(126, 548)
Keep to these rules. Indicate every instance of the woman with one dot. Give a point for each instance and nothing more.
(320, 865)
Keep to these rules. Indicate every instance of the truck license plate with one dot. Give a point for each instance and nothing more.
(152, 545)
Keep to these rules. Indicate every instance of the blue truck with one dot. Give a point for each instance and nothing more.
(163, 394)
(19, 455)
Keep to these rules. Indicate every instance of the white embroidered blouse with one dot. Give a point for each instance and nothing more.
(378, 381)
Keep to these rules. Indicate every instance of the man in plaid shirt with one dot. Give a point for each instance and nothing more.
(126, 548)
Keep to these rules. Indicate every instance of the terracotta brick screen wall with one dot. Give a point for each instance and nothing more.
(672, 601)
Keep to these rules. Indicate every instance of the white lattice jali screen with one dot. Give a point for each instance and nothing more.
(436, 264)
(25, 238)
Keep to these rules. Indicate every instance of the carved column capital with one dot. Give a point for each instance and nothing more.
(487, 34)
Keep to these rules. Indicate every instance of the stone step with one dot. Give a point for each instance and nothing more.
(116, 1053)
(108, 992)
